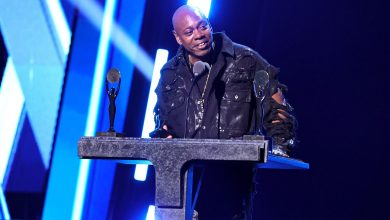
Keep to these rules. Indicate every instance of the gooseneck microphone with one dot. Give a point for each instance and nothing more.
(260, 86)
(198, 68)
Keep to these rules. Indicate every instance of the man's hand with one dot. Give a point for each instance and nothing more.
(279, 98)
(166, 128)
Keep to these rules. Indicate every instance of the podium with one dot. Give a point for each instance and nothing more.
(172, 157)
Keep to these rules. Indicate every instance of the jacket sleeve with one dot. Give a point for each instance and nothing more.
(160, 109)
(279, 122)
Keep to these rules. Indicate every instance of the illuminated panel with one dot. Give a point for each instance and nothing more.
(141, 170)
(93, 111)
(60, 24)
(11, 102)
(4, 214)
(39, 64)
(151, 211)
(120, 39)
(161, 59)
(203, 5)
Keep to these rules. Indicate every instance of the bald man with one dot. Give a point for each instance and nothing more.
(206, 91)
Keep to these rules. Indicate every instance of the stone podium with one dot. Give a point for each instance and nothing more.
(171, 156)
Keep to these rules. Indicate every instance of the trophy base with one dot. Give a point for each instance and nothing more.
(109, 134)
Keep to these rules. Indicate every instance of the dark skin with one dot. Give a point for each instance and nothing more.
(193, 31)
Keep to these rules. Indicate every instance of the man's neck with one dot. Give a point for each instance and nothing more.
(194, 59)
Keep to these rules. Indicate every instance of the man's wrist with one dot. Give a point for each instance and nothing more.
(284, 141)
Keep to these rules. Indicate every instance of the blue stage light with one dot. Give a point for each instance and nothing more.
(141, 170)
(151, 211)
(40, 72)
(60, 24)
(94, 104)
(120, 39)
(11, 102)
(160, 60)
(203, 5)
(4, 214)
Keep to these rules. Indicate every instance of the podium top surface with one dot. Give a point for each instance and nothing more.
(179, 150)
(137, 150)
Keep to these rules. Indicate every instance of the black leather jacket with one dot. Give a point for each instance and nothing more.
(230, 108)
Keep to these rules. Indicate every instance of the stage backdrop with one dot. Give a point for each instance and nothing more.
(333, 55)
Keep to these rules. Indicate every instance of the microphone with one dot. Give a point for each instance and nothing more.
(260, 84)
(198, 68)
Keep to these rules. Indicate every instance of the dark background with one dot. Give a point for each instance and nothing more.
(334, 57)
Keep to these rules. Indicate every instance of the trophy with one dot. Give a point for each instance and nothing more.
(113, 85)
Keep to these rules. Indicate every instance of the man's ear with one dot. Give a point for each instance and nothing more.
(177, 37)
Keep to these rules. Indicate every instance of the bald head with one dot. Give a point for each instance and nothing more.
(193, 31)
(183, 12)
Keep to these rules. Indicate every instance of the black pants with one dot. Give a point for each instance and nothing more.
(226, 192)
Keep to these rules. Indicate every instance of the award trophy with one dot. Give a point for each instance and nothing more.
(113, 85)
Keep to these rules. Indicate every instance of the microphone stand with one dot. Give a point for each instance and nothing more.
(260, 86)
(195, 79)
(198, 68)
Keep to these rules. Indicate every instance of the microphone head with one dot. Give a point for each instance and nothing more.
(260, 83)
(199, 67)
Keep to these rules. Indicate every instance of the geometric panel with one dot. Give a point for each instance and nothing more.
(3, 57)
(24, 184)
(39, 62)
(26, 172)
(12, 104)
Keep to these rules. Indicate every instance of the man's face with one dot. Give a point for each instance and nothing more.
(194, 33)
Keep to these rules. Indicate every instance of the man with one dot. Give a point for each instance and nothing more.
(219, 102)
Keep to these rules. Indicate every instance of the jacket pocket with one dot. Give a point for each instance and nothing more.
(173, 95)
(235, 113)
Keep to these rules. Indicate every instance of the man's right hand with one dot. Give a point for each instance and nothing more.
(166, 128)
